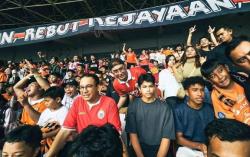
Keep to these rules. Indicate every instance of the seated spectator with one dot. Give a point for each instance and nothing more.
(230, 96)
(53, 115)
(71, 91)
(191, 118)
(23, 141)
(238, 51)
(103, 141)
(228, 137)
(149, 138)
(88, 109)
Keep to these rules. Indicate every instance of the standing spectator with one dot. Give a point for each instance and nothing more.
(54, 67)
(144, 60)
(238, 52)
(88, 109)
(3, 77)
(14, 77)
(125, 80)
(189, 65)
(131, 58)
(31, 99)
(191, 118)
(229, 95)
(228, 137)
(149, 138)
(93, 65)
(167, 82)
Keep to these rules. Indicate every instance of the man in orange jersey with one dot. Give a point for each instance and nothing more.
(31, 98)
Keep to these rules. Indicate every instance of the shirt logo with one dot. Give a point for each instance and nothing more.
(221, 115)
(81, 113)
(101, 114)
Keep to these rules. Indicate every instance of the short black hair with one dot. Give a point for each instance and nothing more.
(54, 92)
(94, 76)
(29, 134)
(146, 77)
(209, 66)
(192, 81)
(94, 141)
(229, 130)
(233, 44)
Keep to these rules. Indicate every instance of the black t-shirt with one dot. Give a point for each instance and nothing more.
(93, 66)
(150, 121)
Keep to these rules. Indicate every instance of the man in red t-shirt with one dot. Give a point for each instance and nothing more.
(125, 80)
(88, 109)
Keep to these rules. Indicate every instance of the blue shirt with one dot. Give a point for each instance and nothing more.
(192, 122)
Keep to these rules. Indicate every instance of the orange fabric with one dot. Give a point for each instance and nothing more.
(168, 52)
(131, 57)
(241, 108)
(26, 119)
(3, 77)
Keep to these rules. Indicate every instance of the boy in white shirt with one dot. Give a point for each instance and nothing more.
(53, 117)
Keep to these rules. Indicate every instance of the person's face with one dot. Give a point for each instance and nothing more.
(32, 89)
(147, 90)
(70, 90)
(129, 50)
(220, 77)
(241, 55)
(70, 74)
(218, 148)
(204, 42)
(52, 78)
(52, 103)
(18, 149)
(10, 90)
(52, 60)
(224, 35)
(195, 93)
(178, 48)
(88, 89)
(102, 70)
(120, 72)
(190, 52)
(171, 61)
(92, 58)
(79, 68)
(75, 58)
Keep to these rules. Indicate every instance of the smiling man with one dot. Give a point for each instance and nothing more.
(229, 94)
(191, 118)
(89, 108)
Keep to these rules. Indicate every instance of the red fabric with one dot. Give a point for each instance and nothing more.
(130, 85)
(80, 116)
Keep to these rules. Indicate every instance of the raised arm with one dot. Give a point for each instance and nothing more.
(211, 33)
(123, 48)
(190, 34)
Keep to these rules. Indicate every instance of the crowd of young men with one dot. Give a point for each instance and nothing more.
(80, 106)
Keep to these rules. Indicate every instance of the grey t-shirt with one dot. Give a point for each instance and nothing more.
(150, 121)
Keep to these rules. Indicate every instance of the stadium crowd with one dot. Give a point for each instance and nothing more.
(192, 100)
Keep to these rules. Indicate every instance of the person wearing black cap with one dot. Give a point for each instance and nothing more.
(71, 91)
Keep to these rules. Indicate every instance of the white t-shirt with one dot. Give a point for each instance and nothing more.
(168, 83)
(51, 116)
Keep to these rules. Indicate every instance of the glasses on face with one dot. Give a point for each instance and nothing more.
(87, 87)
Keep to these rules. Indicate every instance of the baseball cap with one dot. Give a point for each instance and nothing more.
(70, 82)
